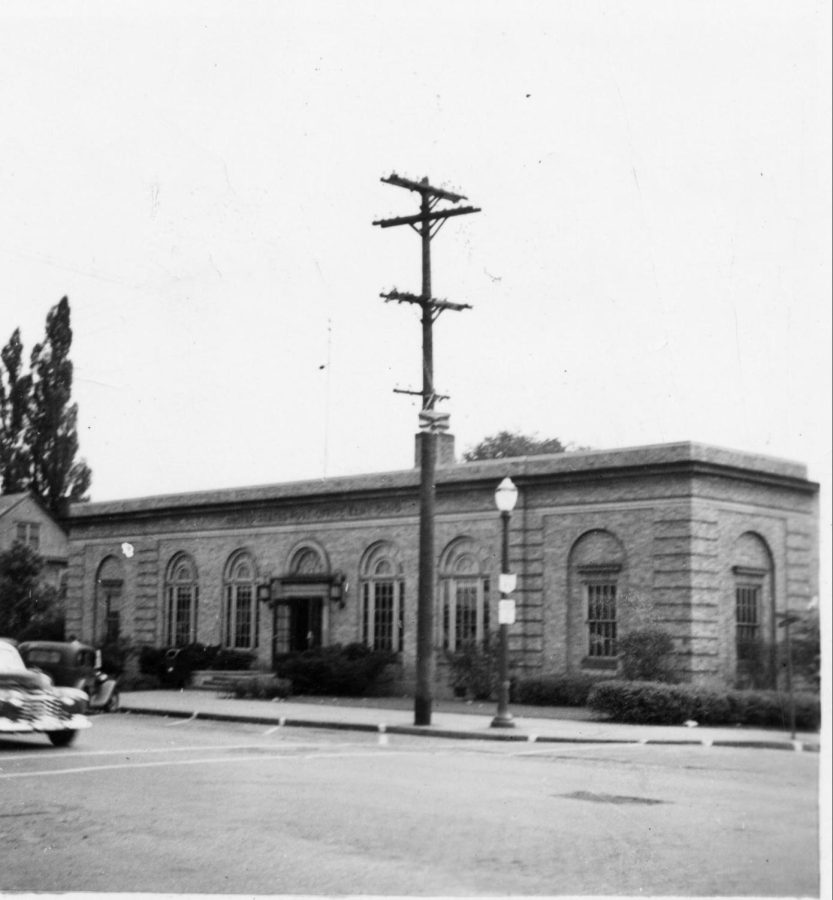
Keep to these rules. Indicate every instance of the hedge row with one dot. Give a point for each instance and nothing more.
(644, 702)
(341, 671)
(553, 690)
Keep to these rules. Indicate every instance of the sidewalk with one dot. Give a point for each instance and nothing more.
(450, 720)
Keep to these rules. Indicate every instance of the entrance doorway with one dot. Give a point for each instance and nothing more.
(298, 624)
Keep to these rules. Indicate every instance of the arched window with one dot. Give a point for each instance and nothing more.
(464, 595)
(596, 562)
(182, 596)
(755, 663)
(241, 608)
(307, 561)
(383, 596)
(109, 585)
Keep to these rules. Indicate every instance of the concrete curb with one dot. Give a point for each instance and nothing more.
(462, 734)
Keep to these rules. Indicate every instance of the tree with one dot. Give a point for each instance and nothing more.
(506, 444)
(15, 395)
(51, 434)
(28, 608)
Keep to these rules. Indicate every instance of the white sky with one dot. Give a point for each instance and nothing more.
(652, 262)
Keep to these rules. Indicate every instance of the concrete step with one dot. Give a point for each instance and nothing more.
(218, 679)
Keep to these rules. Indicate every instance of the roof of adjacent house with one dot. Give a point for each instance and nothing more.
(9, 501)
(584, 464)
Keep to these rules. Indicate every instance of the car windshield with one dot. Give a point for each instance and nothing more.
(10, 660)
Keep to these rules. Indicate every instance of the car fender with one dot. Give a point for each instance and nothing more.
(75, 693)
(103, 693)
(78, 696)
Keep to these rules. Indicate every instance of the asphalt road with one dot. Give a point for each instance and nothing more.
(144, 804)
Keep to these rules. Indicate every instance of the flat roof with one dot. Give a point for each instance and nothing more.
(571, 463)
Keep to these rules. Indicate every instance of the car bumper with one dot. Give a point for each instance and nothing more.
(44, 724)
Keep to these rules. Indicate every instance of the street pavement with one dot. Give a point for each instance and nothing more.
(148, 804)
(453, 720)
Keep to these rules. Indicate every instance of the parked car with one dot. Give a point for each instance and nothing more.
(31, 703)
(76, 665)
(179, 662)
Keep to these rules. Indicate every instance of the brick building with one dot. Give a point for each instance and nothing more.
(705, 543)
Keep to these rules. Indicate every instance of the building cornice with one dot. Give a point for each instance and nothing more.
(687, 460)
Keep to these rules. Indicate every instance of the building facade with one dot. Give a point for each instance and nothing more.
(705, 543)
(23, 519)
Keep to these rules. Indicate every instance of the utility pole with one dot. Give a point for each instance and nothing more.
(426, 223)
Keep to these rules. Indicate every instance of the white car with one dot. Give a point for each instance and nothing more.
(30, 702)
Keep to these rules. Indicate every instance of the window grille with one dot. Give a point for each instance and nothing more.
(241, 610)
(465, 608)
(747, 622)
(112, 626)
(182, 614)
(239, 617)
(465, 612)
(383, 615)
(383, 592)
(601, 620)
(183, 601)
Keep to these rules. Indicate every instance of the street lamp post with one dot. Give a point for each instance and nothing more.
(506, 496)
(787, 619)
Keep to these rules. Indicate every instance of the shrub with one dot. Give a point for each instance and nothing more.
(710, 706)
(473, 669)
(755, 665)
(663, 704)
(772, 708)
(553, 690)
(261, 687)
(761, 665)
(139, 682)
(344, 671)
(639, 702)
(151, 660)
(116, 654)
(644, 655)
